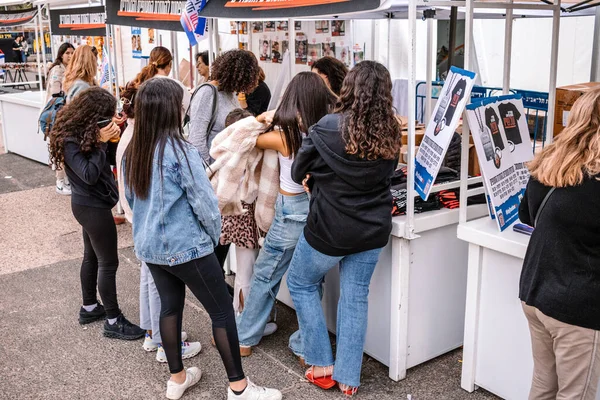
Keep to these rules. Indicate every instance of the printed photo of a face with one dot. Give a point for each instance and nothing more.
(314, 53)
(275, 53)
(282, 26)
(338, 28)
(358, 57)
(343, 54)
(265, 50)
(301, 47)
(270, 26)
(328, 49)
(257, 27)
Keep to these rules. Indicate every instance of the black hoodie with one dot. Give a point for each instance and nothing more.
(351, 203)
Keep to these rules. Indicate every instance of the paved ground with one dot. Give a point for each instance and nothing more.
(46, 354)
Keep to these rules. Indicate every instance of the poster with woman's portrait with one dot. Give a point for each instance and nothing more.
(150, 36)
(136, 42)
(343, 54)
(329, 49)
(265, 49)
(314, 53)
(301, 49)
(338, 28)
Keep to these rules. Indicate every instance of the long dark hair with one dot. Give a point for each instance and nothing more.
(158, 121)
(79, 119)
(306, 100)
(59, 56)
(334, 69)
(370, 129)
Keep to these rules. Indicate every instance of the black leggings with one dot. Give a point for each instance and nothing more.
(205, 279)
(100, 257)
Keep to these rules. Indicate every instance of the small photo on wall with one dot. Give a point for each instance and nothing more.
(338, 28)
(358, 56)
(243, 28)
(298, 25)
(343, 54)
(257, 27)
(282, 26)
(329, 49)
(275, 52)
(314, 53)
(265, 50)
(301, 49)
(322, 26)
(285, 45)
(270, 26)
(233, 27)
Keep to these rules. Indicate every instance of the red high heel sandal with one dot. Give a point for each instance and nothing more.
(324, 382)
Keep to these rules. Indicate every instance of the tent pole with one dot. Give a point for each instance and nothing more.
(52, 47)
(211, 46)
(430, 27)
(452, 39)
(175, 46)
(37, 55)
(217, 36)
(464, 155)
(550, 117)
(108, 57)
(114, 58)
(508, 30)
(595, 76)
(292, 46)
(389, 40)
(412, 107)
(43, 39)
(373, 42)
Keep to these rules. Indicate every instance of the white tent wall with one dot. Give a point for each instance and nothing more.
(531, 51)
(398, 48)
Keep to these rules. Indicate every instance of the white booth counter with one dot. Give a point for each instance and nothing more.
(417, 293)
(19, 114)
(497, 346)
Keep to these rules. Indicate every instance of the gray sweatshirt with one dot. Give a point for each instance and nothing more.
(200, 115)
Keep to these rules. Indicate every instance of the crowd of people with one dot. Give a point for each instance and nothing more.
(300, 189)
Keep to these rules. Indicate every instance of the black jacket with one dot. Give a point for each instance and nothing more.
(92, 181)
(351, 203)
(561, 271)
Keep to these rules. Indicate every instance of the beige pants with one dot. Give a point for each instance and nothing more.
(566, 359)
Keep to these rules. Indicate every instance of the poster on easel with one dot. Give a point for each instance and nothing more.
(445, 117)
(501, 137)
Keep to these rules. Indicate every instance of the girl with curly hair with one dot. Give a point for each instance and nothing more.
(232, 72)
(78, 142)
(350, 157)
(159, 66)
(306, 100)
(81, 72)
(176, 225)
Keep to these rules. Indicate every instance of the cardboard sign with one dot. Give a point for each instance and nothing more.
(501, 136)
(445, 117)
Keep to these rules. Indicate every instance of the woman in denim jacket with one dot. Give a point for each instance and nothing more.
(176, 225)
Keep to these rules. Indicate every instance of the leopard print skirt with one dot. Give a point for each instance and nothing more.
(241, 230)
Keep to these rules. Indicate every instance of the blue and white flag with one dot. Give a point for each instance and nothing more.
(104, 75)
(193, 25)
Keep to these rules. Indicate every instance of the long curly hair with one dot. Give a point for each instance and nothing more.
(82, 66)
(236, 71)
(575, 154)
(160, 58)
(79, 120)
(369, 129)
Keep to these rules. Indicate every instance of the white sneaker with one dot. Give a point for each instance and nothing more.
(254, 392)
(192, 376)
(62, 188)
(150, 346)
(270, 329)
(188, 350)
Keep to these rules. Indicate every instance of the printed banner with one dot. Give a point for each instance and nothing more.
(136, 42)
(444, 120)
(501, 136)
(17, 17)
(164, 14)
(89, 21)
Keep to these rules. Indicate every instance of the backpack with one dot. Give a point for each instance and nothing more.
(48, 115)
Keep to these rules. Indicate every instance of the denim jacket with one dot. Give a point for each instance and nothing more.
(179, 221)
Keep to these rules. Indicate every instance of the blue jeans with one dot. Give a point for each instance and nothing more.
(271, 264)
(149, 304)
(306, 272)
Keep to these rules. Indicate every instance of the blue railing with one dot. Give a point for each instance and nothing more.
(535, 103)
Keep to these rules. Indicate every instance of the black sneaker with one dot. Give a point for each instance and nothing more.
(123, 329)
(87, 317)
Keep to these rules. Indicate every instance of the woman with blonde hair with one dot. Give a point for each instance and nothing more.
(560, 280)
(81, 72)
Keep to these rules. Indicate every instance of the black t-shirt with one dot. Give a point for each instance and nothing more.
(491, 121)
(258, 101)
(458, 93)
(17, 53)
(510, 117)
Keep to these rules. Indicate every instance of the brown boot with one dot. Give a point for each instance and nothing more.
(245, 351)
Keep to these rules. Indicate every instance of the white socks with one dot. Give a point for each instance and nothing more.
(90, 308)
(111, 321)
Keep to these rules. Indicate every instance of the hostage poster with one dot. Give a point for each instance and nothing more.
(501, 136)
(445, 117)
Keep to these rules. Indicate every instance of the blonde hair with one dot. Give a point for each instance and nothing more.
(575, 154)
(82, 66)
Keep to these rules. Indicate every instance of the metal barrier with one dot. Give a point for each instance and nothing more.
(535, 103)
